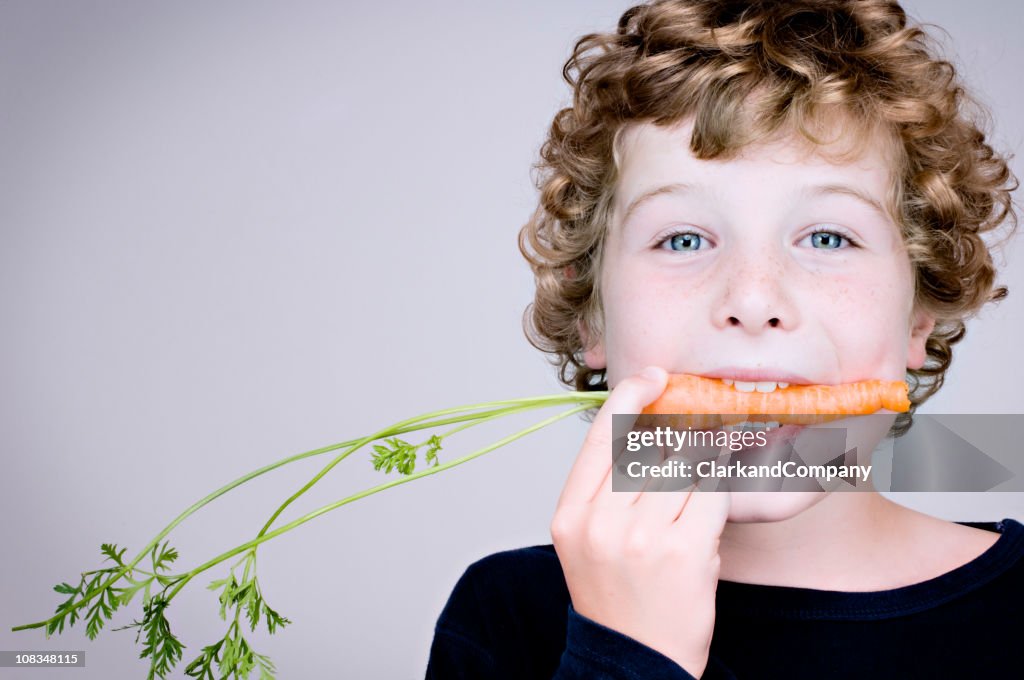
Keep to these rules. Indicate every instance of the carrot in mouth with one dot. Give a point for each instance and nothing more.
(692, 395)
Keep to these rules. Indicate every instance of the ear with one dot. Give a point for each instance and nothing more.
(593, 354)
(921, 326)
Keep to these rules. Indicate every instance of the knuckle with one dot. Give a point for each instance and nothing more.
(638, 543)
(563, 525)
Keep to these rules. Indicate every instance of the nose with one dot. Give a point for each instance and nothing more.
(754, 295)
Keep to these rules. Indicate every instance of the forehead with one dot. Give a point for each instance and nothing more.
(649, 156)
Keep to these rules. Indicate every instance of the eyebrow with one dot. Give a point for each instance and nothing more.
(674, 188)
(852, 192)
(815, 190)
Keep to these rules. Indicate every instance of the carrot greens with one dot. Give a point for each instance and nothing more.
(100, 593)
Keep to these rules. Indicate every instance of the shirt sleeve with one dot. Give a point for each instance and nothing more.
(461, 648)
(596, 651)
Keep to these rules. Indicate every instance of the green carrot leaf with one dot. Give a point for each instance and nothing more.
(253, 606)
(167, 555)
(202, 666)
(274, 620)
(112, 553)
(219, 583)
(125, 595)
(163, 649)
(227, 595)
(267, 669)
(66, 611)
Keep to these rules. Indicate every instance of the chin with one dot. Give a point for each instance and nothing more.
(771, 506)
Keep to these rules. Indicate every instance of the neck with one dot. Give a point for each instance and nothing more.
(827, 546)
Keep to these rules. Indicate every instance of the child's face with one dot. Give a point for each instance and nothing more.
(785, 268)
(785, 264)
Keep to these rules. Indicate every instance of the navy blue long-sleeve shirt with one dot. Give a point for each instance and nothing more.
(510, 616)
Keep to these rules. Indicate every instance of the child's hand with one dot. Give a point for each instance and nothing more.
(644, 564)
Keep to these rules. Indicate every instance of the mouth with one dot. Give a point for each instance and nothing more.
(756, 386)
(757, 380)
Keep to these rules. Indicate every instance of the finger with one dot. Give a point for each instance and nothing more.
(661, 508)
(667, 499)
(629, 492)
(594, 461)
(703, 518)
(629, 489)
(604, 494)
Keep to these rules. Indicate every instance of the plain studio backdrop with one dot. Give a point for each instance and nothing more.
(235, 231)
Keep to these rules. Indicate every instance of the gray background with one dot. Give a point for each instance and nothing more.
(237, 231)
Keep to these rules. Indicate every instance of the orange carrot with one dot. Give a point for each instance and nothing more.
(805, 404)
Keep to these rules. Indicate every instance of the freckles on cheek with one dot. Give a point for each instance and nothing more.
(647, 321)
(870, 328)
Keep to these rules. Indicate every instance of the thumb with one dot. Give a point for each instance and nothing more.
(634, 393)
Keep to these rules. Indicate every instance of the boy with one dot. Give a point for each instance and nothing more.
(762, 193)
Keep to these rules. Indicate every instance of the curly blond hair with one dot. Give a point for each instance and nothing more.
(744, 71)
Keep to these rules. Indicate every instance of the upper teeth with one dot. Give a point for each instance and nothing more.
(764, 386)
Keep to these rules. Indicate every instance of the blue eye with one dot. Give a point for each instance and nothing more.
(684, 241)
(828, 240)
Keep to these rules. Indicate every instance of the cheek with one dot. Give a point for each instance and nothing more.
(641, 312)
(870, 323)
